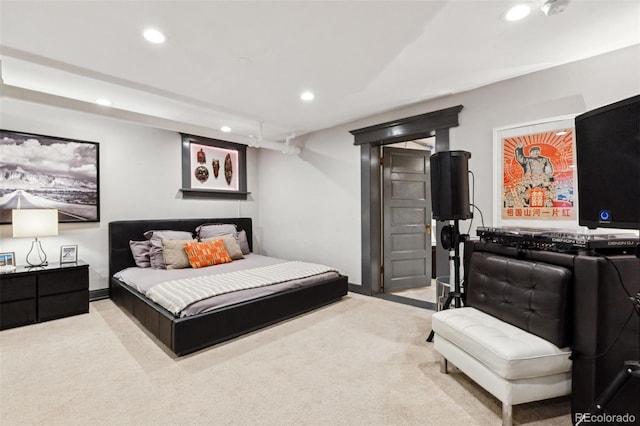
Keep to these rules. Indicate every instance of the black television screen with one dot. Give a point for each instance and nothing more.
(608, 165)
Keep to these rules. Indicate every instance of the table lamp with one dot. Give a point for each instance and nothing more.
(35, 223)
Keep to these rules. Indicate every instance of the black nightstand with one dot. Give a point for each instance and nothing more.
(34, 294)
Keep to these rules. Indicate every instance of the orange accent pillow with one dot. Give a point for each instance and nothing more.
(206, 253)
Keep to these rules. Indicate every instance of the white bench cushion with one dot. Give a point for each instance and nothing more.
(507, 350)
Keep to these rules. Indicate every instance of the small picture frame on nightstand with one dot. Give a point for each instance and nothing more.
(7, 261)
(68, 254)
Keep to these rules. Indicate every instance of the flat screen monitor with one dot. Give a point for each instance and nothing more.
(608, 165)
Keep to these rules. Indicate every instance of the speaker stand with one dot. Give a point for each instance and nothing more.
(454, 296)
(629, 370)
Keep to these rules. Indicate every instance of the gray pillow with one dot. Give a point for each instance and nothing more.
(244, 243)
(230, 244)
(174, 255)
(211, 230)
(140, 252)
(155, 237)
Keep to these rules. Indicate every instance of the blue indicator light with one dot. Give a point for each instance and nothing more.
(605, 215)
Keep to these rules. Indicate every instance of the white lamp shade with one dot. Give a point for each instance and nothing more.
(34, 222)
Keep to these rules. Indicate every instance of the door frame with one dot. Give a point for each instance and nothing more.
(370, 139)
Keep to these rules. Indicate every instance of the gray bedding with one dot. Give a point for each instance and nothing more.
(143, 279)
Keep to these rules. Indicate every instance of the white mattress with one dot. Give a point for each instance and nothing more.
(143, 279)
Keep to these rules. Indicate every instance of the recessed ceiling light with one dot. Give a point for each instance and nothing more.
(307, 96)
(103, 102)
(517, 12)
(553, 7)
(225, 129)
(154, 36)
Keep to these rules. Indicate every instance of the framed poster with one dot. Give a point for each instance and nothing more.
(213, 168)
(47, 172)
(535, 175)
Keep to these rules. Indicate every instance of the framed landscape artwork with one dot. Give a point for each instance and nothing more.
(69, 254)
(535, 175)
(47, 172)
(8, 259)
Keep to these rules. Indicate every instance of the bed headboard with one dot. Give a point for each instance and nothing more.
(123, 231)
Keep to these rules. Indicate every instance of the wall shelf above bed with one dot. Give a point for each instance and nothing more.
(213, 168)
(213, 193)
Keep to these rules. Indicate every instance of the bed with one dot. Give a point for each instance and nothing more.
(187, 334)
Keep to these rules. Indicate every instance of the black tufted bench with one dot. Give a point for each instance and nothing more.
(512, 336)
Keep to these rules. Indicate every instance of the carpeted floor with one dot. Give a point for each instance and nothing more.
(361, 361)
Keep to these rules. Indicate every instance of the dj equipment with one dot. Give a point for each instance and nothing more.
(559, 240)
(450, 185)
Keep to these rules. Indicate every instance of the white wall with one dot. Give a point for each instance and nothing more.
(140, 174)
(310, 206)
(305, 207)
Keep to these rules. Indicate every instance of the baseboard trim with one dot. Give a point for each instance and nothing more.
(358, 289)
(407, 301)
(102, 293)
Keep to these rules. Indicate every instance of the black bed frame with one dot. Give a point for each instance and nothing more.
(189, 334)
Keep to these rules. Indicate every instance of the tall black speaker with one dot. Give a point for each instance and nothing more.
(608, 165)
(450, 185)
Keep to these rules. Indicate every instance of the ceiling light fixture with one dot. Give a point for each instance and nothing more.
(553, 7)
(517, 12)
(307, 96)
(225, 129)
(103, 102)
(154, 36)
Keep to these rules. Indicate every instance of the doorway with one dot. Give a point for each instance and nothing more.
(406, 221)
(370, 139)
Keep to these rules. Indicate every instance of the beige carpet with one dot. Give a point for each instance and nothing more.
(361, 361)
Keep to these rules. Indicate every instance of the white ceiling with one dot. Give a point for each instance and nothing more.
(243, 63)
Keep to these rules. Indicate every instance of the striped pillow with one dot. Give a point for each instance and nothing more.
(206, 253)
